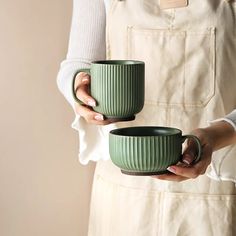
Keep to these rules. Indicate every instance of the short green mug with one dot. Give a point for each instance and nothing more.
(148, 150)
(117, 86)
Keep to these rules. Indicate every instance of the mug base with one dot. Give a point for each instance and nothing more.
(116, 119)
(137, 173)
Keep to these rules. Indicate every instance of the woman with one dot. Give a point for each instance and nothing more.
(190, 52)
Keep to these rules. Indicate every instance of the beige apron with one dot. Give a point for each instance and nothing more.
(190, 78)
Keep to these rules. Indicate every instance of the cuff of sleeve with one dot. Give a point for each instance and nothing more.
(232, 117)
(93, 143)
(226, 119)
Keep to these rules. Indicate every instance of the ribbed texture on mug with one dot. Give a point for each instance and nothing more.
(118, 90)
(147, 154)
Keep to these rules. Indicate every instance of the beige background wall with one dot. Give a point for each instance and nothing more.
(44, 191)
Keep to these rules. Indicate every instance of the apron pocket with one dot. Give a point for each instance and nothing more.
(195, 214)
(180, 65)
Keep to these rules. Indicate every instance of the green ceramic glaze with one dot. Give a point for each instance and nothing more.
(147, 150)
(118, 87)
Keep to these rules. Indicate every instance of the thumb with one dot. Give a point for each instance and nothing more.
(189, 155)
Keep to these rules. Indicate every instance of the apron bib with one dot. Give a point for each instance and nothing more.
(189, 54)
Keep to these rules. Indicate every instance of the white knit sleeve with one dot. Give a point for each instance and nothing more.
(223, 169)
(86, 42)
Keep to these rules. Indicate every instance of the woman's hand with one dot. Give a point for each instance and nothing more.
(212, 138)
(81, 87)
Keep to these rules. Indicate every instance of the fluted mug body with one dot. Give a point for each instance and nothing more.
(117, 86)
(147, 150)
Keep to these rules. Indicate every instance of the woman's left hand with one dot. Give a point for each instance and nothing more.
(220, 134)
(186, 170)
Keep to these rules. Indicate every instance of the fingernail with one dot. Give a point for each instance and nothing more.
(99, 117)
(171, 169)
(85, 79)
(187, 159)
(91, 103)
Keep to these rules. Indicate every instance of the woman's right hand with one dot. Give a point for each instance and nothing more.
(85, 110)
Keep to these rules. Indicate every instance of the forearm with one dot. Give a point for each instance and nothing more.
(221, 134)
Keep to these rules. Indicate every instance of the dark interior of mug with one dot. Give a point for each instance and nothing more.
(118, 62)
(146, 131)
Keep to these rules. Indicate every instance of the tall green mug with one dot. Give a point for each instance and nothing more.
(117, 86)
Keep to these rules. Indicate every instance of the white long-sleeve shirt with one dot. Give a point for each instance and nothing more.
(86, 44)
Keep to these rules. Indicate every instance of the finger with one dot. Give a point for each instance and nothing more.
(193, 171)
(170, 177)
(91, 116)
(190, 153)
(82, 89)
(81, 77)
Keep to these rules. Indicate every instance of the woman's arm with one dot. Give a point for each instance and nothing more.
(221, 134)
(86, 42)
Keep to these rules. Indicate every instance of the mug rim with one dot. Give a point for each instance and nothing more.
(118, 62)
(124, 132)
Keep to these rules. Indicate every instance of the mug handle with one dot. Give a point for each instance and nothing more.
(86, 70)
(197, 141)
